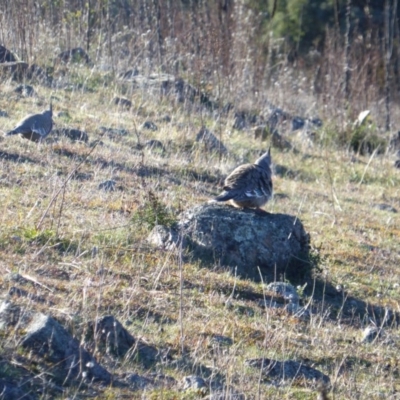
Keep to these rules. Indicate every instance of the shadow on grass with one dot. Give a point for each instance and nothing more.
(349, 309)
(17, 158)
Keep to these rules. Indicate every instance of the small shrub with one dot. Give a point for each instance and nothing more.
(153, 213)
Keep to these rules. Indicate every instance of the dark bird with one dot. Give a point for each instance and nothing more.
(35, 127)
(249, 185)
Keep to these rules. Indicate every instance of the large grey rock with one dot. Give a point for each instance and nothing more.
(245, 240)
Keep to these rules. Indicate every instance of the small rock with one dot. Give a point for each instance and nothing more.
(371, 333)
(150, 125)
(108, 186)
(152, 381)
(166, 118)
(193, 382)
(129, 74)
(25, 90)
(75, 55)
(123, 102)
(286, 290)
(227, 393)
(220, 340)
(280, 142)
(11, 315)
(298, 123)
(48, 339)
(74, 134)
(63, 114)
(137, 382)
(287, 371)
(397, 164)
(112, 335)
(12, 391)
(154, 144)
(298, 311)
(385, 207)
(6, 55)
(244, 119)
(111, 132)
(210, 141)
(14, 277)
(262, 132)
(3, 114)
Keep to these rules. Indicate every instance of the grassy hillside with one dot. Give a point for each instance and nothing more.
(84, 253)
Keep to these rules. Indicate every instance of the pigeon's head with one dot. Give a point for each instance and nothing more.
(49, 111)
(265, 160)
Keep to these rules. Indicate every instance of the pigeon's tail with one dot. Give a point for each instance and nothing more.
(225, 196)
(13, 132)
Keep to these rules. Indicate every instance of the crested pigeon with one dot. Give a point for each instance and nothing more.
(249, 185)
(35, 127)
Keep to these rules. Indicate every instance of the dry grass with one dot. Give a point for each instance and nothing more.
(88, 254)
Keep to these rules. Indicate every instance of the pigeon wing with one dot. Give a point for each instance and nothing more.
(249, 181)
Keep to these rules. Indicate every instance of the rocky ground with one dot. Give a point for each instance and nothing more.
(119, 280)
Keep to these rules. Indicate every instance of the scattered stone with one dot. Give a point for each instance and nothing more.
(286, 290)
(150, 126)
(75, 55)
(13, 391)
(6, 55)
(137, 382)
(154, 145)
(166, 119)
(123, 102)
(63, 114)
(298, 123)
(287, 371)
(220, 340)
(225, 394)
(112, 336)
(276, 118)
(397, 164)
(371, 333)
(75, 135)
(47, 338)
(297, 310)
(244, 119)
(262, 132)
(385, 207)
(194, 382)
(280, 142)
(210, 142)
(185, 92)
(112, 132)
(129, 74)
(152, 381)
(394, 143)
(15, 291)
(108, 186)
(242, 240)
(15, 277)
(25, 91)
(11, 315)
(3, 114)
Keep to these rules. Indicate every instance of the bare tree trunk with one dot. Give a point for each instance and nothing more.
(347, 71)
(389, 29)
